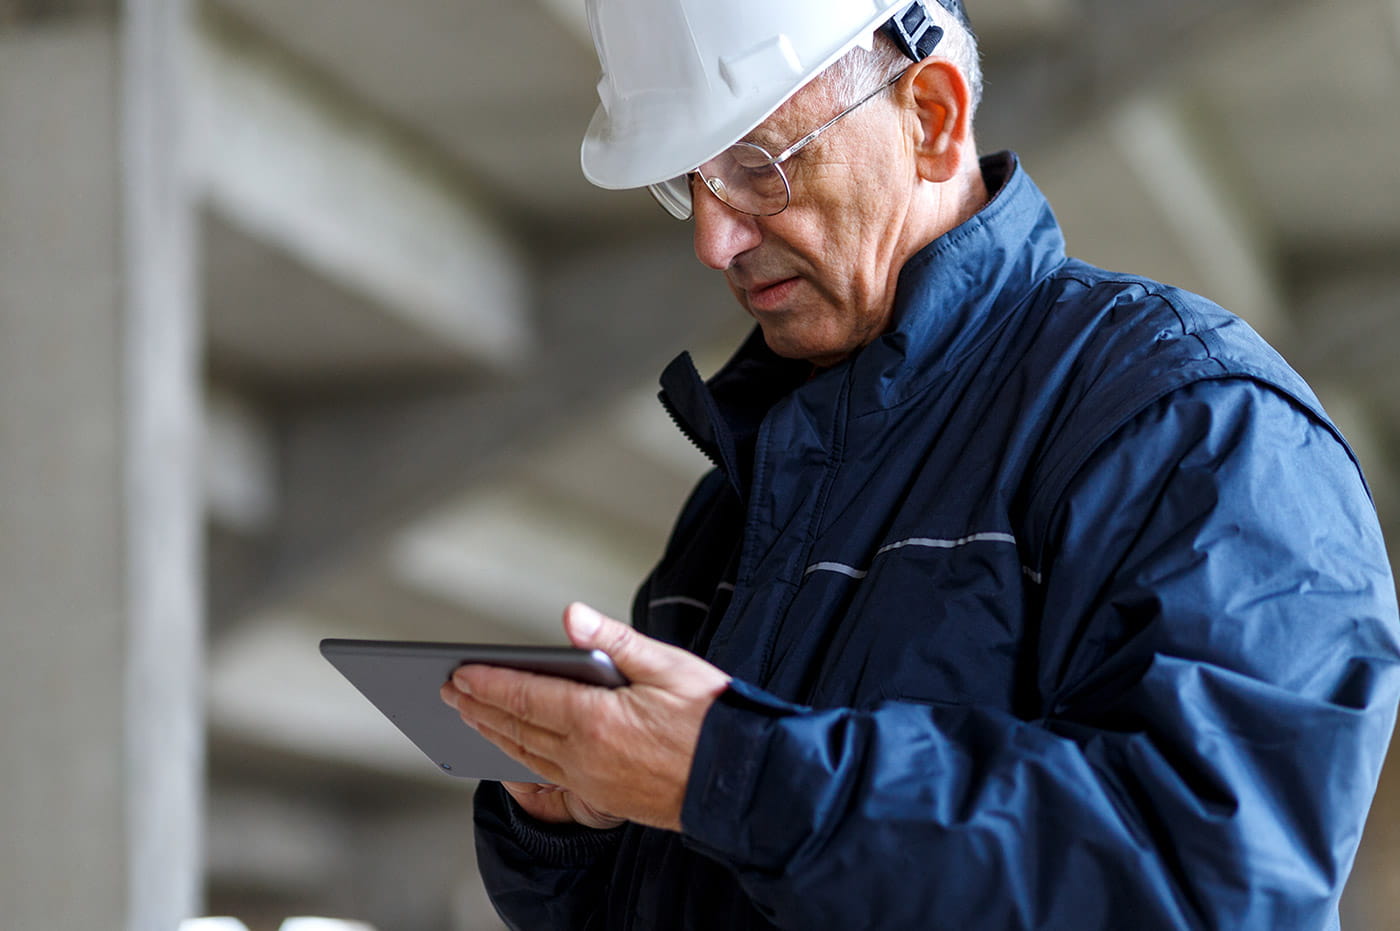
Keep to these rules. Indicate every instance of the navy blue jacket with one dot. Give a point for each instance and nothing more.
(1061, 605)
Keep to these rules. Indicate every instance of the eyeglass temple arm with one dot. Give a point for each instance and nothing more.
(787, 153)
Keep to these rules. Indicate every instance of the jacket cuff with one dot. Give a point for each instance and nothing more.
(546, 843)
(730, 756)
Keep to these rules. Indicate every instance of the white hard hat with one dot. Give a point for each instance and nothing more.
(685, 79)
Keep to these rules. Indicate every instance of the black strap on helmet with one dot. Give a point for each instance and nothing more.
(914, 32)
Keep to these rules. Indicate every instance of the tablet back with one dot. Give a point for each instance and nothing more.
(402, 680)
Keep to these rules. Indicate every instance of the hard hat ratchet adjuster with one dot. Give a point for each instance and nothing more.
(913, 31)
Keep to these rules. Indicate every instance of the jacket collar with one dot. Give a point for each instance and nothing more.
(722, 416)
(960, 289)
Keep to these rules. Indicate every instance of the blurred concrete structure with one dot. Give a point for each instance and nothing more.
(343, 248)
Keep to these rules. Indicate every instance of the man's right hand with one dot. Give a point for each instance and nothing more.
(558, 805)
(627, 751)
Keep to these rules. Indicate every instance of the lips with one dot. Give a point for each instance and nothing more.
(771, 295)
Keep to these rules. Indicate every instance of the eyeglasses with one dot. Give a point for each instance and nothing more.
(745, 176)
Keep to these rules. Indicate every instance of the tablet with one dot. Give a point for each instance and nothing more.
(402, 679)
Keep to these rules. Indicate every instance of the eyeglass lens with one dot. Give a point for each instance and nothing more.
(745, 177)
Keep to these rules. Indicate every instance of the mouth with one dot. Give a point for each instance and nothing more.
(770, 296)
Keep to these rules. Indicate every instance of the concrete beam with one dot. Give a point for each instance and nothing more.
(296, 846)
(239, 464)
(572, 14)
(417, 870)
(1114, 50)
(1344, 302)
(291, 162)
(515, 552)
(29, 13)
(1219, 233)
(405, 863)
(359, 469)
(268, 687)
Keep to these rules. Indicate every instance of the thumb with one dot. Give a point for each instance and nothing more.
(640, 658)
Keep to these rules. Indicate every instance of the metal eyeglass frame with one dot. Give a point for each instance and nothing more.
(675, 195)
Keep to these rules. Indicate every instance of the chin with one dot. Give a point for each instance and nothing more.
(818, 352)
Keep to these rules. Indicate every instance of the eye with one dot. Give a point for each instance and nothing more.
(751, 158)
(764, 179)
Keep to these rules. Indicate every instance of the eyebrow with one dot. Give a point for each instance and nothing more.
(765, 138)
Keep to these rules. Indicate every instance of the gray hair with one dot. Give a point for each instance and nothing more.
(861, 71)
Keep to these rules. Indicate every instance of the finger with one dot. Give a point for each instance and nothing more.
(458, 702)
(641, 659)
(548, 702)
(532, 788)
(533, 738)
(450, 695)
(537, 763)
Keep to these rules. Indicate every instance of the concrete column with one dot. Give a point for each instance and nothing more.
(100, 708)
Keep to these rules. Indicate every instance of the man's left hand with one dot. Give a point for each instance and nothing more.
(625, 751)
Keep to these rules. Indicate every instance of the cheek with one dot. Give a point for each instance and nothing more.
(854, 228)
(845, 237)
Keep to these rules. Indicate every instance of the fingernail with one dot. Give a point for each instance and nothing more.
(459, 679)
(585, 620)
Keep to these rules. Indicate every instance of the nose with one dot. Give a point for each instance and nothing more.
(721, 232)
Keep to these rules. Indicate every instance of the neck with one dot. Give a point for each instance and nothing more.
(941, 206)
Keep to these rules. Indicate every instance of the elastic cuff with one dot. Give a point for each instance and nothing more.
(559, 845)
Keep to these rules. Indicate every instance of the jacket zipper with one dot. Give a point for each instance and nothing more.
(689, 434)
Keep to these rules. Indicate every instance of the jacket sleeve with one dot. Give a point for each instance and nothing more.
(1216, 668)
(541, 875)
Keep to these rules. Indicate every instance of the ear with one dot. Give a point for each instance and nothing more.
(940, 101)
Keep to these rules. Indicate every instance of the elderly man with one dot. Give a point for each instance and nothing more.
(1022, 595)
